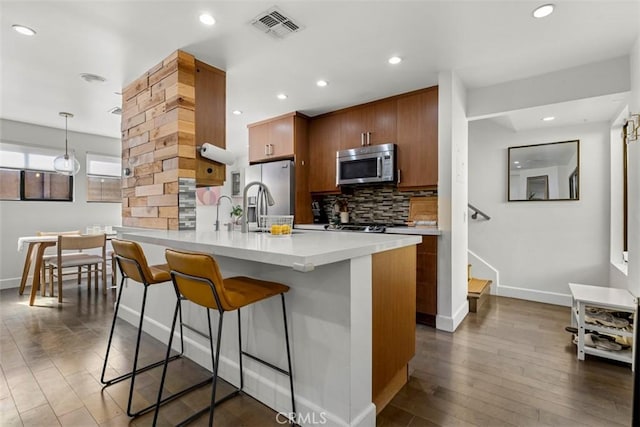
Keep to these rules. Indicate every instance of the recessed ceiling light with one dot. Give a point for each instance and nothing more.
(395, 60)
(322, 83)
(116, 110)
(25, 31)
(92, 78)
(282, 96)
(518, 166)
(236, 112)
(516, 162)
(548, 119)
(207, 19)
(544, 10)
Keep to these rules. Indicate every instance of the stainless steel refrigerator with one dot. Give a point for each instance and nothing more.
(279, 177)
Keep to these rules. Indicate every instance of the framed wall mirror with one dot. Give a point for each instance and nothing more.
(544, 172)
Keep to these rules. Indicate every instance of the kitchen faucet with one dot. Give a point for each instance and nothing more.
(218, 209)
(270, 201)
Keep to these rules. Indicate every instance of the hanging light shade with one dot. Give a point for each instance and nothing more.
(66, 164)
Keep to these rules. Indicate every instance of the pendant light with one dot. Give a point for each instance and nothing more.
(66, 164)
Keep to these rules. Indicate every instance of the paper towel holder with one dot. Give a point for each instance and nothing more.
(217, 154)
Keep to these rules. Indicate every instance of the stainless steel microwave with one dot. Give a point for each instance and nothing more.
(371, 164)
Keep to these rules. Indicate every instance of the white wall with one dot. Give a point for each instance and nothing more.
(584, 81)
(19, 218)
(452, 202)
(538, 247)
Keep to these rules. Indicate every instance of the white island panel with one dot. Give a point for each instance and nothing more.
(329, 311)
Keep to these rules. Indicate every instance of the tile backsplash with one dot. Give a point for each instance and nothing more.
(374, 204)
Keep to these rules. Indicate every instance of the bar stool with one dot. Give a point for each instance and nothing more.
(133, 265)
(197, 278)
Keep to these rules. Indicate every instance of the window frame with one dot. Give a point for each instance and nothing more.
(90, 177)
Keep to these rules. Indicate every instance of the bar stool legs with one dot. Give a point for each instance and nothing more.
(132, 374)
(215, 357)
(136, 370)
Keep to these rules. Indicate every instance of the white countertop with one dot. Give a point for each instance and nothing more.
(303, 251)
(424, 230)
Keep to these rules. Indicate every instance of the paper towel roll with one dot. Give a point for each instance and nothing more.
(217, 154)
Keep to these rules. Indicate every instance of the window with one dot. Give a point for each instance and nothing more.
(625, 190)
(103, 178)
(9, 184)
(40, 185)
(26, 173)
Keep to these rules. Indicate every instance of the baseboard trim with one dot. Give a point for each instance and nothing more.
(546, 297)
(450, 324)
(14, 282)
(274, 394)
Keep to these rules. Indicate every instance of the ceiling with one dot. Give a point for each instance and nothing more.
(346, 43)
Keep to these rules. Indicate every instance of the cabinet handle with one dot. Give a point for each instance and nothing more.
(368, 138)
(362, 139)
(271, 149)
(266, 149)
(399, 175)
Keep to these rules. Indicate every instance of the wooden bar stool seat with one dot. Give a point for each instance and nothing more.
(133, 265)
(197, 278)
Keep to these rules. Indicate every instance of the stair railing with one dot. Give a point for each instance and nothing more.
(477, 212)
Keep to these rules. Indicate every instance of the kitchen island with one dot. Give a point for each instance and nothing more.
(351, 312)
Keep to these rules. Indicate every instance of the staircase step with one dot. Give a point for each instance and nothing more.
(476, 287)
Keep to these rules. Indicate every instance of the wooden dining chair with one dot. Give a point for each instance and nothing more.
(50, 254)
(68, 244)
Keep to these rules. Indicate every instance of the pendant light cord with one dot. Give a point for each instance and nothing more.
(66, 133)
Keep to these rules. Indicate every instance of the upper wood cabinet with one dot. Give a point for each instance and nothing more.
(373, 123)
(210, 102)
(417, 139)
(286, 137)
(324, 141)
(272, 139)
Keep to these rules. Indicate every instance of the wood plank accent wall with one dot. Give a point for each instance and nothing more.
(159, 142)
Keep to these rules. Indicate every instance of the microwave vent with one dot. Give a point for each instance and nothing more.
(275, 23)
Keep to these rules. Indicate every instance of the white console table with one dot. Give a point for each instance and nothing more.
(601, 297)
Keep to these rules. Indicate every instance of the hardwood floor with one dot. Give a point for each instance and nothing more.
(510, 364)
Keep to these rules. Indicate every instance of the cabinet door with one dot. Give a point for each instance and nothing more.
(417, 130)
(258, 142)
(353, 128)
(324, 141)
(382, 128)
(281, 137)
(427, 280)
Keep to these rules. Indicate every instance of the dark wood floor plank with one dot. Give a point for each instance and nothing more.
(511, 363)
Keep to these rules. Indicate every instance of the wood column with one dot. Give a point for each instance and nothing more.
(159, 145)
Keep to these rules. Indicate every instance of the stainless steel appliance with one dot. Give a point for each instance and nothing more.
(361, 228)
(366, 165)
(280, 178)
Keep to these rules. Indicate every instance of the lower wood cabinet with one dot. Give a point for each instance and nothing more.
(427, 280)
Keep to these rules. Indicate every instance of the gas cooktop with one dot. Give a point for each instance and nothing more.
(362, 228)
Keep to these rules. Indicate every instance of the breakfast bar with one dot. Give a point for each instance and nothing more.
(351, 313)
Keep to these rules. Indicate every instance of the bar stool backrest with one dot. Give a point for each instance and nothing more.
(132, 251)
(201, 266)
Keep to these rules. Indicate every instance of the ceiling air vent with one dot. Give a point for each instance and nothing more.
(275, 23)
(116, 110)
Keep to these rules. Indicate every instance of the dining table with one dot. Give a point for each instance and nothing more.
(36, 246)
